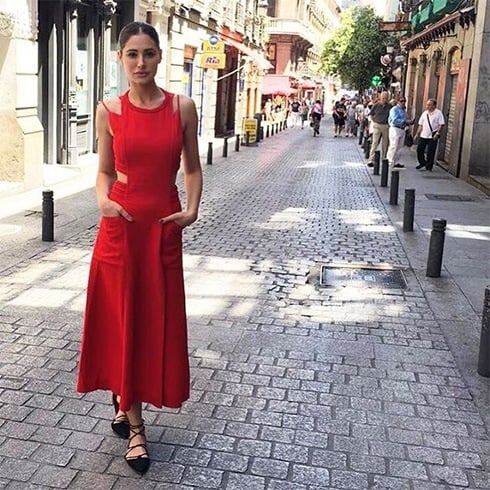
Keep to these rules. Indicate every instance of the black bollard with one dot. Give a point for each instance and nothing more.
(377, 157)
(384, 173)
(272, 129)
(267, 131)
(395, 182)
(408, 209)
(48, 217)
(209, 161)
(367, 147)
(484, 356)
(247, 139)
(261, 133)
(225, 147)
(237, 143)
(436, 248)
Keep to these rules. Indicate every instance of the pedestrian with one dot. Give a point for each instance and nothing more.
(316, 116)
(431, 123)
(379, 117)
(338, 114)
(351, 120)
(295, 113)
(398, 122)
(268, 110)
(304, 111)
(135, 334)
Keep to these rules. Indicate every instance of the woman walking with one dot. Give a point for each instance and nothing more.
(135, 334)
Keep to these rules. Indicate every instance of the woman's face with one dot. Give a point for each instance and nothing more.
(140, 58)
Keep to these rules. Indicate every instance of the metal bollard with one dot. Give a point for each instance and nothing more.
(48, 217)
(395, 182)
(408, 209)
(267, 131)
(247, 139)
(209, 160)
(384, 173)
(484, 356)
(272, 129)
(237, 143)
(436, 248)
(377, 156)
(261, 133)
(225, 147)
(367, 147)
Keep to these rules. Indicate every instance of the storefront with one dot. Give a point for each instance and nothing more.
(78, 66)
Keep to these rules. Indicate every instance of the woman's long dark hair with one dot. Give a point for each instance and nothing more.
(135, 28)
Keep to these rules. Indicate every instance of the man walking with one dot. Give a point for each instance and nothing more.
(397, 121)
(379, 116)
(431, 123)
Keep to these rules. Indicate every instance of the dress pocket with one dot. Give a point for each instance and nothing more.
(109, 245)
(171, 245)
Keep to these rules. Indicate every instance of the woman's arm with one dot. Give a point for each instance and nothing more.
(106, 174)
(191, 164)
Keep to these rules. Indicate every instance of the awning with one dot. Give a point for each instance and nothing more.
(306, 84)
(257, 58)
(276, 85)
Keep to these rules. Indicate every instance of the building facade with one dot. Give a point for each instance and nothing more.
(295, 33)
(448, 60)
(58, 58)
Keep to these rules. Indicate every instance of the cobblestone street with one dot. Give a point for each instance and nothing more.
(294, 386)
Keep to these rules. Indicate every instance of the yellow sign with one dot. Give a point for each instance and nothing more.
(212, 60)
(209, 48)
(250, 127)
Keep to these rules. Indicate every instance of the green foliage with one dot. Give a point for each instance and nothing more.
(354, 49)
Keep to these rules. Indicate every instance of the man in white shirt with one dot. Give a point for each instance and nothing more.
(431, 123)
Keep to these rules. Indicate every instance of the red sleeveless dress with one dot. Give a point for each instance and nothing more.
(135, 333)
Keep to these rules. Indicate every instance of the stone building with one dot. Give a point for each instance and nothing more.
(447, 53)
(58, 58)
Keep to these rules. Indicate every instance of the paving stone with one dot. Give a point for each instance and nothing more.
(309, 475)
(447, 475)
(229, 462)
(407, 469)
(239, 482)
(53, 455)
(54, 476)
(202, 477)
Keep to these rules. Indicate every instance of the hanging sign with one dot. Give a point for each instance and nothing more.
(213, 53)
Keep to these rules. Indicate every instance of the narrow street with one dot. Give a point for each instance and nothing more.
(294, 385)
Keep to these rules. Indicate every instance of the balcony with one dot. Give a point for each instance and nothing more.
(433, 12)
(289, 26)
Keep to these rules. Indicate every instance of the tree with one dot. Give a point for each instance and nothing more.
(353, 51)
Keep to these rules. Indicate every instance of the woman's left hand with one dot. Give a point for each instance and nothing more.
(182, 218)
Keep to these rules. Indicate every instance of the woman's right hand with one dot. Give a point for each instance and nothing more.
(112, 209)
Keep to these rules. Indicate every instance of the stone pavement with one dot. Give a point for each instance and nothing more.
(294, 386)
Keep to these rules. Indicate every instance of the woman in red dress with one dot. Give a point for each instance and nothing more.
(135, 333)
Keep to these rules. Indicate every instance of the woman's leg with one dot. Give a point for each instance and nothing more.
(135, 419)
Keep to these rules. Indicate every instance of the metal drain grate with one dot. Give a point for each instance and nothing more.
(362, 277)
(450, 197)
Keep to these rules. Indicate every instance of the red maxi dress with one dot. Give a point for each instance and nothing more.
(135, 333)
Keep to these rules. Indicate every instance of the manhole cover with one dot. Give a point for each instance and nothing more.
(361, 277)
(449, 197)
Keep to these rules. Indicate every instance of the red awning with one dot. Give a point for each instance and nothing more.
(307, 84)
(257, 58)
(276, 84)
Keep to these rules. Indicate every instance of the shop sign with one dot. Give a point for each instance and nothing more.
(250, 127)
(213, 53)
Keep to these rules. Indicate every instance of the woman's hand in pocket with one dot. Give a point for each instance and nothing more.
(112, 209)
(182, 218)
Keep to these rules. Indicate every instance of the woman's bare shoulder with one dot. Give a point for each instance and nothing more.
(111, 105)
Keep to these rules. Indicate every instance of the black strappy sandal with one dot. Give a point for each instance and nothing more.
(120, 424)
(140, 463)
